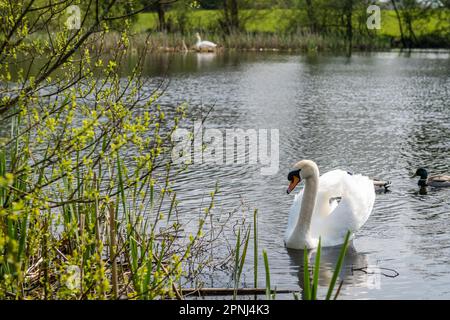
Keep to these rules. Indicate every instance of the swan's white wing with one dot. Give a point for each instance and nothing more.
(206, 44)
(332, 221)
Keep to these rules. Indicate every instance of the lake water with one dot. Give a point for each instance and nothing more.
(381, 114)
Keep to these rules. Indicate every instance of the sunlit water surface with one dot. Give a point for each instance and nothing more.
(382, 115)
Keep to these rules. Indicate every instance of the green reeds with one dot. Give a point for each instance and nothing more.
(337, 270)
(112, 251)
(251, 41)
(306, 275)
(310, 291)
(240, 259)
(255, 249)
(267, 269)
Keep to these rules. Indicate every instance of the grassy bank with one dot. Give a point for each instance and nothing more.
(282, 29)
(279, 20)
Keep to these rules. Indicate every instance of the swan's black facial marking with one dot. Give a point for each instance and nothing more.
(294, 179)
(294, 173)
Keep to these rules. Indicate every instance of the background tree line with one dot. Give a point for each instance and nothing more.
(345, 18)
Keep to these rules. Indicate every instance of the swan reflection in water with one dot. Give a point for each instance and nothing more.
(205, 59)
(355, 272)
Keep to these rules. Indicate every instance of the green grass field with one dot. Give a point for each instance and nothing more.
(279, 21)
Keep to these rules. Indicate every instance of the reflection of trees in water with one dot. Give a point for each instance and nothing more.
(328, 258)
(163, 64)
(428, 144)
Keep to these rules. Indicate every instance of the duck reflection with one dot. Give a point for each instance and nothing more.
(423, 190)
(351, 271)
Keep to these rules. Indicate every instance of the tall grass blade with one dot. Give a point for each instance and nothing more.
(255, 249)
(266, 266)
(316, 272)
(236, 262)
(112, 251)
(241, 262)
(244, 254)
(306, 282)
(23, 237)
(337, 270)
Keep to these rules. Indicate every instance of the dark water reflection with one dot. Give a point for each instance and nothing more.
(381, 114)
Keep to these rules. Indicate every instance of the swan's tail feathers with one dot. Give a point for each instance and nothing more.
(360, 195)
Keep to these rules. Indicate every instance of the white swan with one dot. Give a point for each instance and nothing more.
(328, 207)
(204, 45)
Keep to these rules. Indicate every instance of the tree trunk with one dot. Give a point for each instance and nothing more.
(234, 15)
(311, 16)
(412, 39)
(161, 17)
(226, 18)
(399, 19)
(231, 16)
(348, 12)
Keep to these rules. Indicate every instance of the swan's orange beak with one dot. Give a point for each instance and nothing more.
(294, 182)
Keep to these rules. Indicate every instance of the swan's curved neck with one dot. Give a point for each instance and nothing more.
(308, 204)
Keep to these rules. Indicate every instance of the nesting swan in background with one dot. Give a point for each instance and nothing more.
(328, 207)
(204, 45)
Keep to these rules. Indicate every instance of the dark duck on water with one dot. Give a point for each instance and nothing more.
(432, 181)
